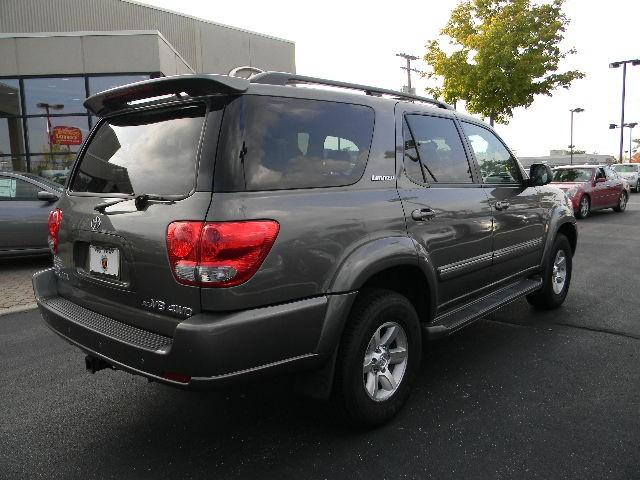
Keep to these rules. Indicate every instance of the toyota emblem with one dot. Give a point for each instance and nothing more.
(95, 223)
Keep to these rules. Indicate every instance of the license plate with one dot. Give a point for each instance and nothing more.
(105, 261)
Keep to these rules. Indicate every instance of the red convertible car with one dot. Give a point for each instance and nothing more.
(592, 187)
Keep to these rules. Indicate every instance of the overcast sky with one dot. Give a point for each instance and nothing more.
(356, 41)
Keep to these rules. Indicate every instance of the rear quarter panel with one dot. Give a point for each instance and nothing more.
(320, 228)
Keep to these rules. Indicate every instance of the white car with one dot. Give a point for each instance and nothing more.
(630, 172)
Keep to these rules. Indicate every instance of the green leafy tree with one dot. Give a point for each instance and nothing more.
(503, 54)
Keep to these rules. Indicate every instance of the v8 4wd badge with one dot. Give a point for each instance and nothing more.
(161, 306)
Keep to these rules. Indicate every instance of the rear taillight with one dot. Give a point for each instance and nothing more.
(55, 219)
(219, 254)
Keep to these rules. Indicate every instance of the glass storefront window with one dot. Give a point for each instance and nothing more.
(57, 135)
(16, 163)
(11, 136)
(53, 167)
(99, 84)
(9, 97)
(45, 96)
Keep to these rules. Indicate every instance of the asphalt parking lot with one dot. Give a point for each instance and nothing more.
(518, 395)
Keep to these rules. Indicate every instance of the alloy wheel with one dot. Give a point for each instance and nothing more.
(584, 207)
(385, 361)
(622, 204)
(559, 274)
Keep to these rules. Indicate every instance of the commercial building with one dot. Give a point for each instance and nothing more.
(55, 53)
(561, 157)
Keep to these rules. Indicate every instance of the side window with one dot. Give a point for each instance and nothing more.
(7, 188)
(600, 173)
(16, 189)
(439, 149)
(495, 162)
(286, 143)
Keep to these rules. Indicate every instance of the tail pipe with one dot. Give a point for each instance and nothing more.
(95, 364)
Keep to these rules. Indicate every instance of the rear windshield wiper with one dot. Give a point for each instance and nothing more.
(141, 200)
(101, 206)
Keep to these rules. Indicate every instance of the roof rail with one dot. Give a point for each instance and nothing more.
(235, 72)
(283, 79)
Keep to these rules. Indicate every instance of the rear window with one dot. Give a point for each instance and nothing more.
(152, 152)
(286, 143)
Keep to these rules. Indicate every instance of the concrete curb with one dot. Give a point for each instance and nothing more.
(17, 309)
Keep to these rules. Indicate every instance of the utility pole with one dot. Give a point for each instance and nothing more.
(408, 68)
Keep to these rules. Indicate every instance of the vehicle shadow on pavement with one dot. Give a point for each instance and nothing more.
(496, 399)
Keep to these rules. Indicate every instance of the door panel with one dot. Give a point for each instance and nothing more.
(457, 238)
(600, 191)
(23, 218)
(614, 186)
(518, 229)
(446, 210)
(519, 219)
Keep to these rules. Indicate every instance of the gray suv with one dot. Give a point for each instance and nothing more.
(217, 228)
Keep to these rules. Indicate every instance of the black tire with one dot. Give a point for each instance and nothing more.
(622, 203)
(584, 212)
(546, 298)
(371, 310)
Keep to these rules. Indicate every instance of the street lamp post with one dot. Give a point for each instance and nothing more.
(624, 81)
(630, 126)
(571, 145)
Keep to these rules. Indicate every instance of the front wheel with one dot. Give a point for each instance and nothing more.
(378, 358)
(622, 203)
(556, 276)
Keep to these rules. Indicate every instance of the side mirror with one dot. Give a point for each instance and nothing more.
(47, 196)
(539, 174)
(601, 180)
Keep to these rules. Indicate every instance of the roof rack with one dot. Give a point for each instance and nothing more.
(283, 79)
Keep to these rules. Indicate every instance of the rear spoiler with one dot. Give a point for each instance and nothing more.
(119, 98)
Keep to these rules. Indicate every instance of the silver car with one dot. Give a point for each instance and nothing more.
(630, 172)
(25, 202)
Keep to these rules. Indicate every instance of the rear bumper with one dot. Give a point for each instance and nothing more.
(211, 349)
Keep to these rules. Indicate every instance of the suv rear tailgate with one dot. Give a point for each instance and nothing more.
(113, 260)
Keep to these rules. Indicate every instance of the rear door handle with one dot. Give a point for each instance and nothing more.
(502, 205)
(422, 214)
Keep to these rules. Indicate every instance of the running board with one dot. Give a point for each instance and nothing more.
(449, 322)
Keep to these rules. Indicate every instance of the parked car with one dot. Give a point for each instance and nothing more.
(25, 202)
(235, 228)
(592, 187)
(630, 172)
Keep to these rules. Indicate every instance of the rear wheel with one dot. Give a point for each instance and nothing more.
(584, 207)
(556, 276)
(622, 203)
(378, 358)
